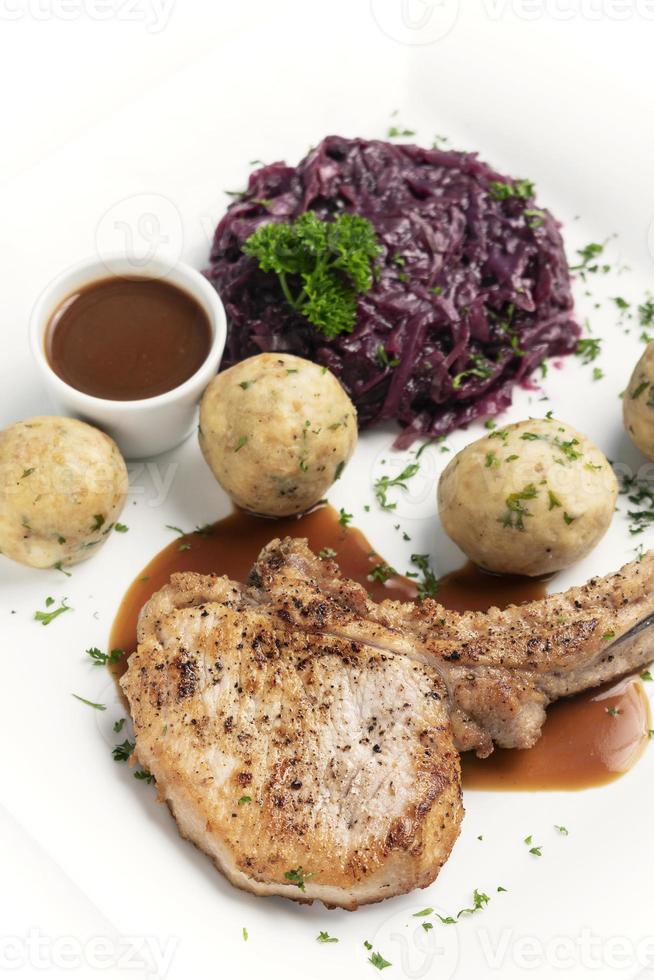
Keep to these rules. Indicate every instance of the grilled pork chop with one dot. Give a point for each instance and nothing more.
(501, 668)
(306, 737)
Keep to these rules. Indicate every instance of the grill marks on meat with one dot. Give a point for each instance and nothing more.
(336, 721)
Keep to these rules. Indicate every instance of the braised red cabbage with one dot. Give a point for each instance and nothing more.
(472, 292)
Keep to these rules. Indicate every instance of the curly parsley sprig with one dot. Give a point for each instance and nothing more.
(321, 265)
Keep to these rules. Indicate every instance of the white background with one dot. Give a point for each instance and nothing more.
(113, 110)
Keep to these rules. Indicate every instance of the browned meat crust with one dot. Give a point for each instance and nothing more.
(304, 735)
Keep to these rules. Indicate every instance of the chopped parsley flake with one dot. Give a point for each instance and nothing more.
(537, 217)
(479, 901)
(588, 349)
(324, 937)
(502, 190)
(384, 359)
(297, 876)
(344, 519)
(378, 960)
(554, 500)
(640, 494)
(99, 658)
(45, 618)
(122, 752)
(384, 484)
(429, 584)
(516, 512)
(537, 851)
(145, 776)
(395, 131)
(241, 442)
(91, 704)
(646, 312)
(567, 448)
(326, 553)
(382, 572)
(588, 256)
(481, 368)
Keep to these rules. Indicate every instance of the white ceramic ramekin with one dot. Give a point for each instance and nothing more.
(147, 426)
